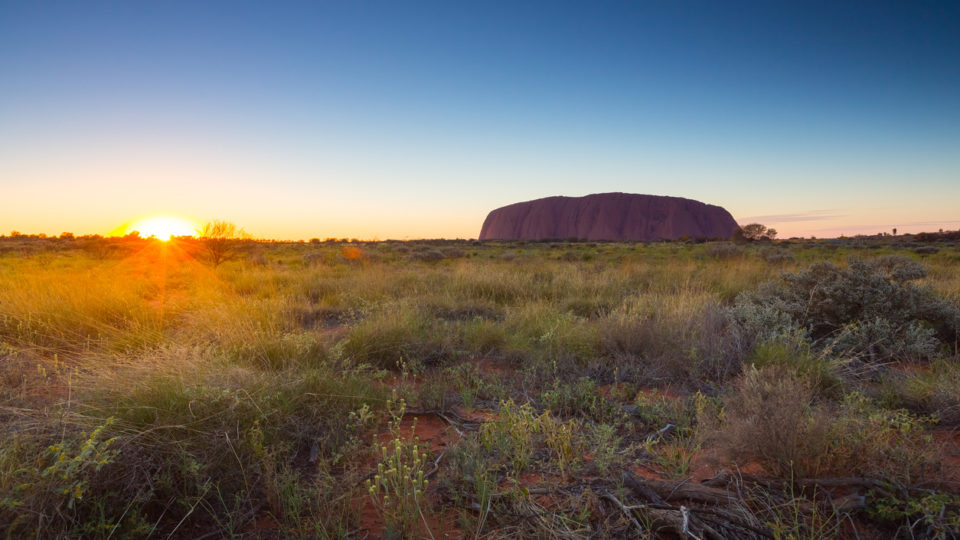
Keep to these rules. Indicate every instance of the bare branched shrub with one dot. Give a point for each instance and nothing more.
(776, 420)
(218, 240)
(772, 419)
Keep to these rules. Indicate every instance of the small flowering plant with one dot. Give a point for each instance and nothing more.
(69, 468)
(397, 487)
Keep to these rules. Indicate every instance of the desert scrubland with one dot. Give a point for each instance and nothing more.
(793, 389)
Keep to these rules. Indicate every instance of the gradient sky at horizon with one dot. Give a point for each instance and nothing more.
(414, 119)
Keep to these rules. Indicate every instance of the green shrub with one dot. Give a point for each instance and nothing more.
(561, 339)
(63, 482)
(932, 515)
(604, 444)
(655, 411)
(512, 435)
(580, 398)
(870, 440)
(869, 310)
(821, 371)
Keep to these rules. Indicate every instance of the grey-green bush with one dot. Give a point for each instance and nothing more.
(869, 310)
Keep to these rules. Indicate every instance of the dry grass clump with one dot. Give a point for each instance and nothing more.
(935, 391)
(772, 419)
(776, 418)
(399, 336)
(70, 311)
(427, 256)
(208, 443)
(723, 250)
(662, 339)
(777, 256)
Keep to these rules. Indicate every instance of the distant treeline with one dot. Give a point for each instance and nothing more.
(67, 239)
(942, 236)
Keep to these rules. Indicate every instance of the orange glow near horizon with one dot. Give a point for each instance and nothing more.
(163, 226)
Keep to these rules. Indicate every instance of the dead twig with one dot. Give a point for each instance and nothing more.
(436, 465)
(627, 511)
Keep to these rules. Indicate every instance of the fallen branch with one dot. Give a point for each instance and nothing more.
(436, 465)
(450, 417)
(885, 488)
(626, 511)
(673, 491)
(686, 523)
(657, 435)
(683, 520)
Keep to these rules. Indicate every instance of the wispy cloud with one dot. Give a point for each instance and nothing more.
(811, 215)
(930, 223)
(853, 229)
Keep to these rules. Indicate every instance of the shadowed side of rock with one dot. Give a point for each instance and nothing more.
(609, 216)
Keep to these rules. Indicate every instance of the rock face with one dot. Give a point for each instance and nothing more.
(608, 216)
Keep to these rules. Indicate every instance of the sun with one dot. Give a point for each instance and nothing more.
(164, 226)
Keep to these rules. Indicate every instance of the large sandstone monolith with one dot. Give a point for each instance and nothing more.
(609, 216)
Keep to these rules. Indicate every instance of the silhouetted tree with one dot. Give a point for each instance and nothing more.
(218, 239)
(756, 231)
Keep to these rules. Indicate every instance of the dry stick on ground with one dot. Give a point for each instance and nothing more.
(702, 517)
(457, 421)
(627, 511)
(711, 496)
(885, 488)
(436, 465)
(688, 521)
(660, 491)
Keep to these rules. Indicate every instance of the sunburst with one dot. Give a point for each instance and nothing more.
(164, 226)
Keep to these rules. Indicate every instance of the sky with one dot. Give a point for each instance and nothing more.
(407, 119)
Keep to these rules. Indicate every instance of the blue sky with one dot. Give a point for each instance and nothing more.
(413, 119)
